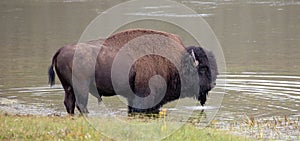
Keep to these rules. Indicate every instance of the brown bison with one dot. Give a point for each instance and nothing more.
(154, 78)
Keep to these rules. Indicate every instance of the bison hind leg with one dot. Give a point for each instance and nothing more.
(81, 89)
(82, 108)
(69, 101)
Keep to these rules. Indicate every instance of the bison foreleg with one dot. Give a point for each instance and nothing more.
(202, 98)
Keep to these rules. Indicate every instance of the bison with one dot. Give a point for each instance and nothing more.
(95, 60)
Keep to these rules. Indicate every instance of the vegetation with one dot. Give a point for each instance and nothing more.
(22, 127)
(275, 127)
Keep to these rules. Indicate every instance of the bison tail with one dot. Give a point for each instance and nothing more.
(51, 75)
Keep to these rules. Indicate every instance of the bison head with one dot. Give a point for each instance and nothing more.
(201, 63)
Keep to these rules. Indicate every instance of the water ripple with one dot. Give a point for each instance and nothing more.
(156, 14)
(260, 93)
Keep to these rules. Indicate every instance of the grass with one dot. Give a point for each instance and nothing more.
(271, 128)
(17, 127)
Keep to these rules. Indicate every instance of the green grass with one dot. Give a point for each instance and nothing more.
(15, 127)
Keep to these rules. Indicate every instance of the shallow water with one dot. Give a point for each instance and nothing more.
(260, 40)
(262, 95)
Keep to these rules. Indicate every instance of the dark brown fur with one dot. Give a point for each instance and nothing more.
(141, 72)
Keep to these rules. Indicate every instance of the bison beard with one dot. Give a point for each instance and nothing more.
(193, 58)
(213, 70)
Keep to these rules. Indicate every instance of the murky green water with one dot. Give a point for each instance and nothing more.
(260, 40)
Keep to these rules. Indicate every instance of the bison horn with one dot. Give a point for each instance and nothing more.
(196, 63)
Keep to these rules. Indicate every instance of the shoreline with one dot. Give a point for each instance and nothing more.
(56, 127)
(247, 128)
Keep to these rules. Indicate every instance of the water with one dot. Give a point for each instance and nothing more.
(262, 95)
(260, 40)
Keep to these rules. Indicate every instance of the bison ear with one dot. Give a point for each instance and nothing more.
(195, 61)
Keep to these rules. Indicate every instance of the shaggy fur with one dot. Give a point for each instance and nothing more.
(212, 64)
(140, 73)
